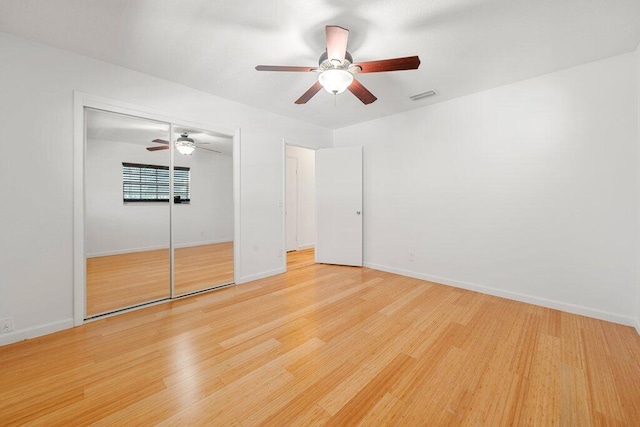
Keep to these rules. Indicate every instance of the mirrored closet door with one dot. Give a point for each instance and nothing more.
(203, 211)
(127, 234)
(154, 191)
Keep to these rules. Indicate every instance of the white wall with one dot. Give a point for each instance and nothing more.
(115, 227)
(208, 218)
(36, 215)
(528, 191)
(306, 195)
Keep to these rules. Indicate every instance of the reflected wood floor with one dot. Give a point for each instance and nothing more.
(204, 266)
(303, 258)
(334, 345)
(118, 281)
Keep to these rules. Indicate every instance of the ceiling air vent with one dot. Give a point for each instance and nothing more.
(423, 95)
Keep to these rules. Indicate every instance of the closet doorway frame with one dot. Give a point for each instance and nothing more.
(82, 100)
(286, 142)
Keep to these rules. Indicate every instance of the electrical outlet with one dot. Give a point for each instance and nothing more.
(412, 256)
(6, 325)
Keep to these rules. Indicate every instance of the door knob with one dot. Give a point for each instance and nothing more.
(358, 212)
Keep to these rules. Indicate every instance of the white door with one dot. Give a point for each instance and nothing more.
(339, 206)
(291, 210)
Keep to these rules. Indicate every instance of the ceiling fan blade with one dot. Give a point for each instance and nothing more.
(164, 147)
(284, 68)
(337, 38)
(208, 149)
(161, 141)
(395, 64)
(309, 93)
(361, 92)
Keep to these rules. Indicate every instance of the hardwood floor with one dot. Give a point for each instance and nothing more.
(118, 281)
(328, 345)
(303, 258)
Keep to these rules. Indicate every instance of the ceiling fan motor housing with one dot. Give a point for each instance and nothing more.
(325, 63)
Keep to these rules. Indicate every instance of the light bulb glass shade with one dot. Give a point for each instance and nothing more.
(335, 80)
(185, 146)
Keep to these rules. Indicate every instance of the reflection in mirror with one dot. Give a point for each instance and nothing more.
(127, 231)
(203, 212)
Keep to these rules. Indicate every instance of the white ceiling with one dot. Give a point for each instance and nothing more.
(106, 126)
(213, 45)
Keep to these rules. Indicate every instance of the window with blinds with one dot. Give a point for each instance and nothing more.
(150, 183)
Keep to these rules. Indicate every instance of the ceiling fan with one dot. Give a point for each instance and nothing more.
(336, 68)
(184, 145)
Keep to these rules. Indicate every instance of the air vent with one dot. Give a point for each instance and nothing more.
(423, 95)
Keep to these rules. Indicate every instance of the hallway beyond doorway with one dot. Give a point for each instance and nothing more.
(298, 259)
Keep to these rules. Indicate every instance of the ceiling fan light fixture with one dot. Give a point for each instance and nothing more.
(185, 145)
(335, 80)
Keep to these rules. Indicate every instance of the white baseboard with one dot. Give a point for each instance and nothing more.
(36, 331)
(530, 299)
(153, 248)
(638, 326)
(126, 251)
(262, 275)
(207, 242)
(303, 247)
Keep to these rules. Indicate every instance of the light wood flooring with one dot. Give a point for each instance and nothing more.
(303, 258)
(119, 281)
(328, 345)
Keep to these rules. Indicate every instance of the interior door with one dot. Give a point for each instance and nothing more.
(292, 204)
(339, 206)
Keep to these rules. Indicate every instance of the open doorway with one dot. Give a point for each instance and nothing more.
(300, 209)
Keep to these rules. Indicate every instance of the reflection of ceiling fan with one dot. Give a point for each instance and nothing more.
(184, 145)
(336, 68)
